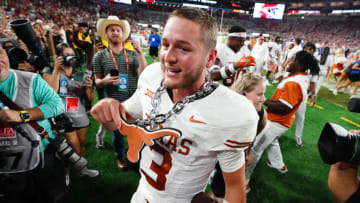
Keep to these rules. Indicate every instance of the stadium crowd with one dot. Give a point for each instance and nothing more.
(84, 51)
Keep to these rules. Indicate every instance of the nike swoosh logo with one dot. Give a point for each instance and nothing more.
(196, 121)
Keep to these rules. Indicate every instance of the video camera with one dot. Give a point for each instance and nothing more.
(37, 54)
(61, 124)
(337, 144)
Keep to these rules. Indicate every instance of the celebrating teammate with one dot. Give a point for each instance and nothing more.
(215, 123)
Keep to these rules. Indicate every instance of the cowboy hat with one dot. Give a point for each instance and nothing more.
(103, 23)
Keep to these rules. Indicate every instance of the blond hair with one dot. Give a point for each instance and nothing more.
(207, 24)
(246, 83)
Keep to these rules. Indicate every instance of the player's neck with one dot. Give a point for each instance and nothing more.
(180, 93)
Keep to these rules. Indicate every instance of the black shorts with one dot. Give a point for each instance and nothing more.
(41, 185)
(355, 197)
(154, 51)
(217, 184)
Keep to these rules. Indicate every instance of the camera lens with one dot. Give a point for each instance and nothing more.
(71, 61)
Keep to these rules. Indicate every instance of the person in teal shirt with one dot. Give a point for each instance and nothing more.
(45, 182)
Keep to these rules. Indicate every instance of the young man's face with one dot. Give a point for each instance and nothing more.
(235, 43)
(183, 55)
(4, 64)
(114, 34)
(293, 65)
(309, 50)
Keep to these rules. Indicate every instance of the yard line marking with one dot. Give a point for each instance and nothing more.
(349, 121)
(317, 106)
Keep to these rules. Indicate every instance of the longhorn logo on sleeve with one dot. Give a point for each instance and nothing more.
(138, 136)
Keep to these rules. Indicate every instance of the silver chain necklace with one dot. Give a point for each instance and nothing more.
(156, 119)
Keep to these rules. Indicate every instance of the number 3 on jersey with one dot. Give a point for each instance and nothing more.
(161, 170)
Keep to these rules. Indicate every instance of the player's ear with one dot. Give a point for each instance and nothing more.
(211, 58)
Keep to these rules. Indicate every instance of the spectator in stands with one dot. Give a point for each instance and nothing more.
(118, 76)
(154, 43)
(83, 44)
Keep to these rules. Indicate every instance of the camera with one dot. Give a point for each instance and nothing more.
(62, 124)
(337, 144)
(16, 56)
(72, 61)
(37, 55)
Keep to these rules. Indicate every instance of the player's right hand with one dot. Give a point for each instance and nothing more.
(107, 112)
(59, 64)
(246, 61)
(111, 80)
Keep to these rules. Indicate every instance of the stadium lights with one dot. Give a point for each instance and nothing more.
(208, 2)
(345, 11)
(195, 6)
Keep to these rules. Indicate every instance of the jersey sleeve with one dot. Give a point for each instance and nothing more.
(291, 95)
(236, 138)
(231, 161)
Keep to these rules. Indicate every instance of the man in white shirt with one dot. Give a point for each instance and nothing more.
(260, 52)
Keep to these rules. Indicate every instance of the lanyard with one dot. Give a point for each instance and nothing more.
(114, 60)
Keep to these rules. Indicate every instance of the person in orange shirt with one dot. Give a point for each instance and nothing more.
(281, 110)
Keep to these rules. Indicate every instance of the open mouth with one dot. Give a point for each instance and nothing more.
(173, 71)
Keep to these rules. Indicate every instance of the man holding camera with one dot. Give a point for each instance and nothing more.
(117, 69)
(343, 181)
(24, 176)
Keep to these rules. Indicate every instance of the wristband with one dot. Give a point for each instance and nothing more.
(231, 68)
(223, 73)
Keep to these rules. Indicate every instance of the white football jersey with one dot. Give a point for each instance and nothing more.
(225, 54)
(175, 169)
(275, 51)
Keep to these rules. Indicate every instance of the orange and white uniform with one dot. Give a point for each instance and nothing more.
(292, 92)
(215, 128)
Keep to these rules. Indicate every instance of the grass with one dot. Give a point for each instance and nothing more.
(306, 180)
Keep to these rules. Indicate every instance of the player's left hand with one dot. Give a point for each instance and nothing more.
(246, 61)
(136, 45)
(313, 100)
(202, 197)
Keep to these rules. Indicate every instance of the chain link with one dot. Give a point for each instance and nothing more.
(156, 119)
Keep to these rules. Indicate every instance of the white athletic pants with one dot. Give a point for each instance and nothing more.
(322, 76)
(300, 119)
(267, 139)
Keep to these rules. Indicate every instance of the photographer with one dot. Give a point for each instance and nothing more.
(17, 55)
(76, 92)
(28, 177)
(340, 149)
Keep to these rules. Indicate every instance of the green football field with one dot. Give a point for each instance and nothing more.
(306, 180)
